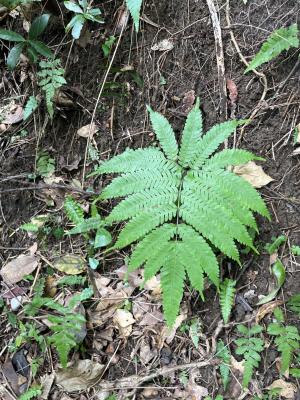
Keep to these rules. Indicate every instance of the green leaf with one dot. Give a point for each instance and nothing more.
(134, 7)
(73, 7)
(73, 210)
(38, 26)
(102, 238)
(107, 46)
(11, 36)
(76, 24)
(30, 107)
(14, 55)
(93, 263)
(41, 48)
(276, 243)
(295, 250)
(280, 40)
(86, 225)
(279, 273)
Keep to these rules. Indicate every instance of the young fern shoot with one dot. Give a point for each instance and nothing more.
(180, 201)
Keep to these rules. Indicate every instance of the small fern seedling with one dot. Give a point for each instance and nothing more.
(294, 303)
(250, 347)
(31, 393)
(224, 355)
(287, 339)
(227, 293)
(179, 201)
(280, 40)
(51, 79)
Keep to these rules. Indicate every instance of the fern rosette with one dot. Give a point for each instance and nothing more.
(179, 201)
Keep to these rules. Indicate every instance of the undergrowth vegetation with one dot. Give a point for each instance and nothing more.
(171, 195)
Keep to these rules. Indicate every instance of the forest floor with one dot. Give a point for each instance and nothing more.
(130, 359)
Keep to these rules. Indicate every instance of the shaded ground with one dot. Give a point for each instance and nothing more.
(122, 120)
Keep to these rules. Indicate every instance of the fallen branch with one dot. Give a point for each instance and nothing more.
(134, 381)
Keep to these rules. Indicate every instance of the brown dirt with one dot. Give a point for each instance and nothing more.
(191, 65)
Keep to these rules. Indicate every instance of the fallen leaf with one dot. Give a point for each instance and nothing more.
(124, 321)
(233, 92)
(266, 309)
(297, 135)
(188, 101)
(288, 389)
(167, 334)
(253, 173)
(87, 130)
(70, 264)
(79, 376)
(296, 152)
(164, 45)
(15, 116)
(146, 353)
(134, 278)
(47, 382)
(278, 271)
(16, 269)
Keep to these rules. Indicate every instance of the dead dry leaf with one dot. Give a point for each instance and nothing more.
(296, 152)
(253, 173)
(124, 321)
(163, 45)
(267, 309)
(233, 92)
(79, 376)
(14, 116)
(87, 130)
(188, 101)
(288, 389)
(70, 264)
(15, 270)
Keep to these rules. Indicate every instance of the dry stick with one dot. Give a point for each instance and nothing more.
(134, 381)
(98, 100)
(261, 75)
(220, 58)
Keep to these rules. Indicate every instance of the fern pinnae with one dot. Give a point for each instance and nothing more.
(190, 136)
(227, 293)
(165, 134)
(171, 203)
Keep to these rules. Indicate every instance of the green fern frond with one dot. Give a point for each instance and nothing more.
(223, 354)
(280, 40)
(250, 348)
(52, 80)
(177, 198)
(165, 134)
(73, 210)
(30, 107)
(287, 340)
(227, 293)
(294, 303)
(31, 393)
(86, 225)
(190, 136)
(134, 7)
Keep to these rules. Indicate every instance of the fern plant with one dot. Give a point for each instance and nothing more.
(287, 339)
(294, 303)
(32, 46)
(250, 347)
(179, 202)
(51, 79)
(280, 40)
(85, 225)
(31, 393)
(66, 325)
(224, 355)
(227, 293)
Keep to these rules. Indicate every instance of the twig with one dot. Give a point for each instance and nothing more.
(220, 57)
(45, 186)
(261, 75)
(134, 381)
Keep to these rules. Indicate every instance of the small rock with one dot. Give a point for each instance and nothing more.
(16, 302)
